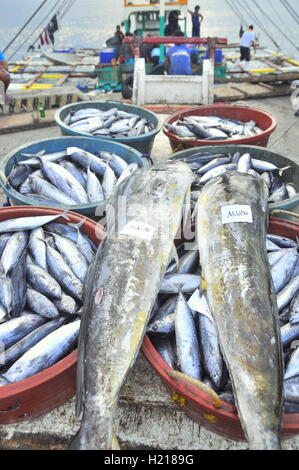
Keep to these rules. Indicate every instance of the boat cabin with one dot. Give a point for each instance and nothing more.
(149, 17)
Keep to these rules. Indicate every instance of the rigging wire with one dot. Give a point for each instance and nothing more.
(236, 11)
(35, 29)
(279, 16)
(23, 27)
(259, 23)
(290, 10)
(276, 26)
(71, 3)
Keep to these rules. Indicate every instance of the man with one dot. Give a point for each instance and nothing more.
(247, 39)
(196, 21)
(4, 77)
(119, 34)
(177, 60)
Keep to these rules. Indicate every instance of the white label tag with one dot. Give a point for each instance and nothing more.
(138, 229)
(236, 213)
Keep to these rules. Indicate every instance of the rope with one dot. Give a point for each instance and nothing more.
(27, 22)
(34, 31)
(290, 10)
(71, 3)
(236, 11)
(274, 24)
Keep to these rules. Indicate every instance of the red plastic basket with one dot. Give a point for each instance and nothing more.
(52, 387)
(199, 406)
(266, 121)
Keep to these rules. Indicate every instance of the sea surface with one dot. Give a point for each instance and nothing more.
(88, 23)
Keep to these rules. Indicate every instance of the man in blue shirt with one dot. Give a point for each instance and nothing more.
(4, 74)
(177, 60)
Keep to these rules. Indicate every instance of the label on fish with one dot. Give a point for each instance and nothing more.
(138, 229)
(236, 213)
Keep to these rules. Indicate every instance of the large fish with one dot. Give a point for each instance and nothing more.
(122, 289)
(232, 218)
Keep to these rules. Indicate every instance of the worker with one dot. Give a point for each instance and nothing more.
(4, 77)
(247, 40)
(177, 60)
(119, 34)
(173, 24)
(196, 21)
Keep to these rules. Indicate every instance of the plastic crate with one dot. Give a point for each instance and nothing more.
(108, 77)
(220, 71)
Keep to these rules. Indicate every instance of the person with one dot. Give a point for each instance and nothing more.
(247, 39)
(155, 55)
(177, 60)
(119, 34)
(173, 24)
(4, 74)
(196, 21)
(126, 50)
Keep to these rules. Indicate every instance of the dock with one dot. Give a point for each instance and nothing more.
(147, 416)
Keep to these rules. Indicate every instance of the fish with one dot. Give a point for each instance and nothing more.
(163, 326)
(294, 309)
(235, 270)
(14, 248)
(186, 340)
(62, 273)
(28, 223)
(87, 160)
(44, 353)
(108, 348)
(286, 294)
(15, 329)
(109, 182)
(175, 283)
(65, 181)
(71, 253)
(40, 304)
(93, 188)
(13, 353)
(43, 188)
(282, 270)
(19, 287)
(43, 282)
(66, 305)
(37, 247)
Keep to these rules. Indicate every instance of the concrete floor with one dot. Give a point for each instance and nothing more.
(147, 418)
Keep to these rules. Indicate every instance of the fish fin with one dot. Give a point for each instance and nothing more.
(174, 255)
(281, 170)
(64, 215)
(197, 383)
(77, 225)
(114, 443)
(3, 179)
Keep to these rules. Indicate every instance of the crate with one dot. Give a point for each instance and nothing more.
(219, 71)
(109, 77)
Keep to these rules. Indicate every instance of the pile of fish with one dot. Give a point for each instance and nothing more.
(212, 128)
(113, 123)
(43, 266)
(69, 177)
(183, 331)
(206, 165)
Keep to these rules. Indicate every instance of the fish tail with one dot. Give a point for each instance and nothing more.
(64, 215)
(280, 172)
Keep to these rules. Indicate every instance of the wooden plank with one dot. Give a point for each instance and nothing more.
(267, 77)
(227, 93)
(271, 64)
(252, 90)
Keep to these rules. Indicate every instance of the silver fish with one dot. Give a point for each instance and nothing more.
(40, 304)
(15, 329)
(44, 353)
